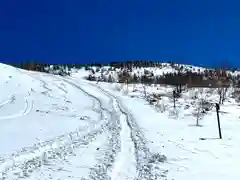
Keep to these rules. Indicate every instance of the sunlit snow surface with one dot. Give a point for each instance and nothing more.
(68, 128)
(175, 134)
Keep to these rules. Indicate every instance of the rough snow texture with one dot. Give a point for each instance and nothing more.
(175, 134)
(68, 128)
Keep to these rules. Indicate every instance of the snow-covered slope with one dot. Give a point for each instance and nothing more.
(33, 104)
(193, 152)
(61, 127)
(39, 114)
(54, 127)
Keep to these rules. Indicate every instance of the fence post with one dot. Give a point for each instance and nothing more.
(219, 127)
(174, 100)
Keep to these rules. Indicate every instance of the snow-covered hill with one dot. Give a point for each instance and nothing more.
(54, 127)
(38, 113)
(112, 74)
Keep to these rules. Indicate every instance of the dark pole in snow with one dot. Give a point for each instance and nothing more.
(174, 96)
(219, 128)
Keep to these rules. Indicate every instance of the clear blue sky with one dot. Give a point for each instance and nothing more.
(205, 32)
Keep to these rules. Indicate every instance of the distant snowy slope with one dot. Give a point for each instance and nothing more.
(111, 74)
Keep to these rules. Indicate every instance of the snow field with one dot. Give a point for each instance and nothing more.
(54, 127)
(177, 137)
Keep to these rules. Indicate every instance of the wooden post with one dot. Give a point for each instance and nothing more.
(219, 127)
(174, 100)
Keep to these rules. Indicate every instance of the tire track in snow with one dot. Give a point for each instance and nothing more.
(59, 87)
(100, 170)
(147, 162)
(125, 164)
(112, 129)
(75, 166)
(21, 164)
(45, 84)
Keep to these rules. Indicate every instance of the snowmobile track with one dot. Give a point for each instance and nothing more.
(146, 161)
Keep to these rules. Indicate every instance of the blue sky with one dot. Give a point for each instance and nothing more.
(205, 32)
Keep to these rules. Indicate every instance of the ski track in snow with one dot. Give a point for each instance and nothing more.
(9, 100)
(27, 109)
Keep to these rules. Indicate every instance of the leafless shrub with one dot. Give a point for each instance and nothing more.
(144, 90)
(134, 88)
(173, 112)
(222, 91)
(117, 87)
(198, 115)
(125, 91)
(202, 106)
(236, 94)
(161, 106)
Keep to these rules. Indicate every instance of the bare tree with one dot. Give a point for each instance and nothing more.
(144, 90)
(236, 94)
(222, 92)
(198, 116)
